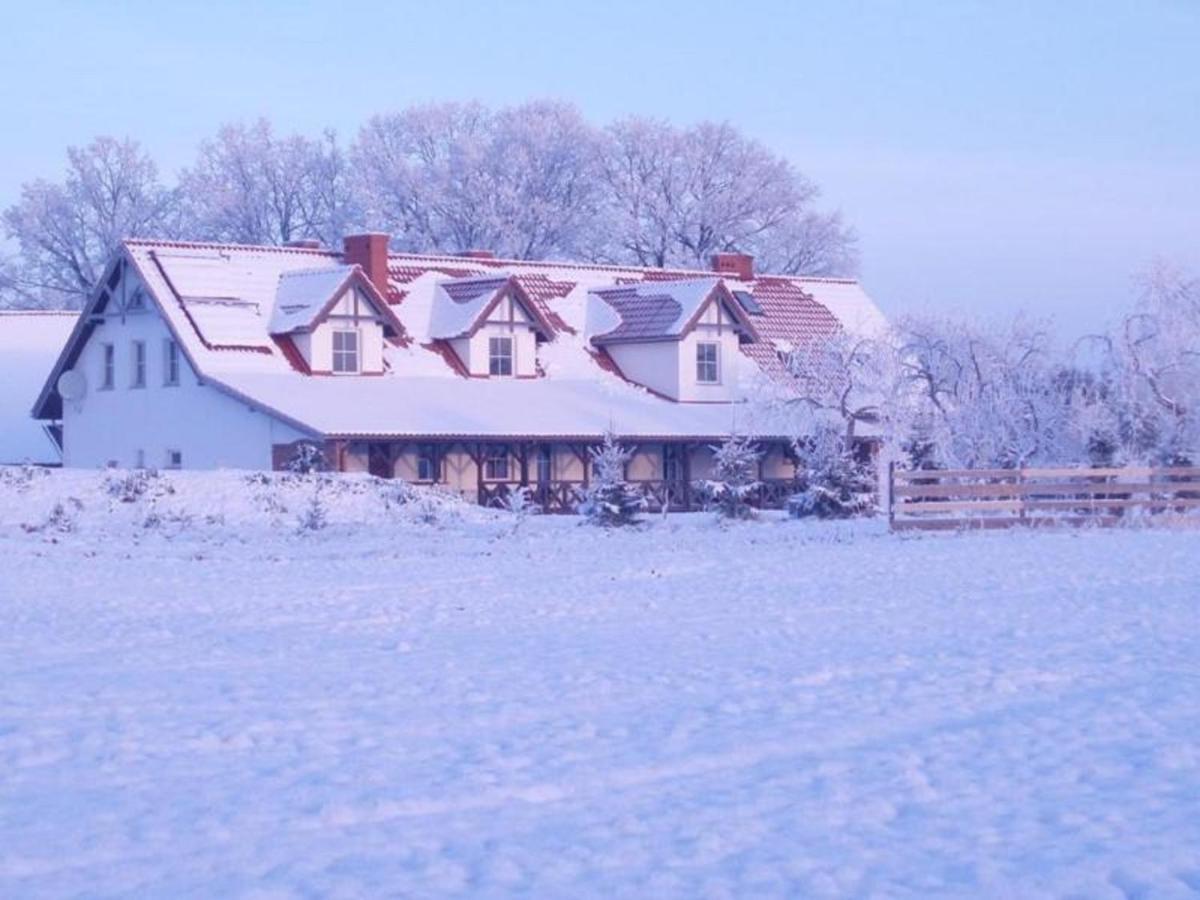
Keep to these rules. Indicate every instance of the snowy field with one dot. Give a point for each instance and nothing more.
(198, 699)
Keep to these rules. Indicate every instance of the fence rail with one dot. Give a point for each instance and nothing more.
(942, 499)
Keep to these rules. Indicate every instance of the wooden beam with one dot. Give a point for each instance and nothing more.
(686, 469)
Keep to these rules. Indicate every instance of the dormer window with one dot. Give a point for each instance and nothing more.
(345, 352)
(500, 356)
(708, 363)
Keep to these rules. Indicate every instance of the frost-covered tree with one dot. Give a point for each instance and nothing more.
(66, 231)
(979, 396)
(1146, 398)
(837, 483)
(842, 388)
(676, 196)
(609, 500)
(306, 459)
(735, 477)
(9, 296)
(251, 186)
(521, 181)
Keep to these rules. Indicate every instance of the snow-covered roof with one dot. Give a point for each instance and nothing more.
(658, 310)
(225, 302)
(464, 408)
(30, 342)
(303, 294)
(458, 305)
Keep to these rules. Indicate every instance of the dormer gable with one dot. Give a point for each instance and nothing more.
(678, 338)
(491, 325)
(668, 311)
(334, 320)
(462, 306)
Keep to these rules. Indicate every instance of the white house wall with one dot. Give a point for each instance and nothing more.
(129, 426)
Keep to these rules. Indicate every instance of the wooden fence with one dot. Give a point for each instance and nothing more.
(940, 499)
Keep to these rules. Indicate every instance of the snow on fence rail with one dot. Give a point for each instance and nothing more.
(938, 499)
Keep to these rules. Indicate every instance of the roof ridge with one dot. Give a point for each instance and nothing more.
(494, 262)
(316, 270)
(39, 312)
(214, 245)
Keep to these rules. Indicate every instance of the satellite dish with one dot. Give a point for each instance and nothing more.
(72, 385)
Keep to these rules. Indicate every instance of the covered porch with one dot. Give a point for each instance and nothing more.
(555, 471)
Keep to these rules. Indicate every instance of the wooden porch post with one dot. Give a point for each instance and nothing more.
(479, 473)
(686, 470)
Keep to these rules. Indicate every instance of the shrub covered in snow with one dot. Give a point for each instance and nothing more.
(837, 485)
(610, 500)
(306, 459)
(735, 478)
(222, 503)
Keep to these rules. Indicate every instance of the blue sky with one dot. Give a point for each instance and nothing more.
(993, 156)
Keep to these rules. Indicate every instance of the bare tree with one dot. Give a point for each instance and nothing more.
(250, 186)
(521, 182)
(811, 243)
(982, 397)
(67, 231)
(676, 196)
(1149, 371)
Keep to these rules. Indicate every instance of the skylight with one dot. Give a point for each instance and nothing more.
(748, 303)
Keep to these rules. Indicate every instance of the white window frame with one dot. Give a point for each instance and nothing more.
(137, 378)
(108, 367)
(493, 456)
(170, 363)
(495, 358)
(354, 355)
(702, 364)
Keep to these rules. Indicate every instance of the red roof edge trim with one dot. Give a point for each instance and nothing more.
(291, 353)
(446, 352)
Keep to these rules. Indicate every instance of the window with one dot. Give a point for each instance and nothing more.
(345, 351)
(427, 463)
(500, 356)
(108, 376)
(170, 363)
(139, 365)
(137, 300)
(544, 464)
(708, 363)
(174, 459)
(495, 463)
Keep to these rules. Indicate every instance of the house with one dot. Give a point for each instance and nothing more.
(30, 341)
(470, 372)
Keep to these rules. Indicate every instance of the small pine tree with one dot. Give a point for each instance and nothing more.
(313, 518)
(837, 486)
(735, 471)
(609, 500)
(306, 459)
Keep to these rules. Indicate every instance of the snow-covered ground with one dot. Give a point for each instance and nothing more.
(199, 699)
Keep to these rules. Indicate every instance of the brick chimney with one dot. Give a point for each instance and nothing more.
(734, 265)
(370, 251)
